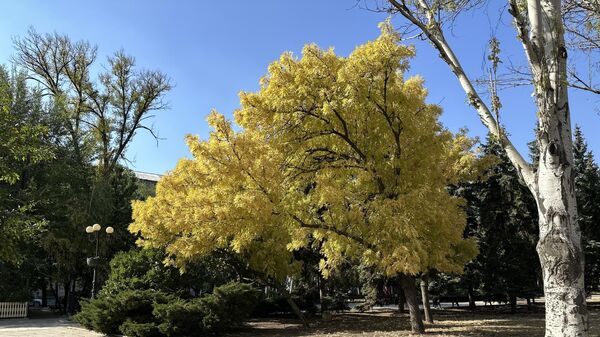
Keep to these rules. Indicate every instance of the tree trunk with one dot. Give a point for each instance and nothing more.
(425, 297)
(297, 311)
(512, 299)
(470, 293)
(561, 259)
(410, 292)
(44, 294)
(66, 302)
(401, 300)
(322, 287)
(57, 303)
(559, 245)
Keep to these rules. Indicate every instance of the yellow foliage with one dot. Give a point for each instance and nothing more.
(343, 150)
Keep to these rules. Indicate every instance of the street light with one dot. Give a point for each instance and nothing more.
(95, 260)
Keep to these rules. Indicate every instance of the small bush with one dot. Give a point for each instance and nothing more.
(235, 301)
(98, 315)
(107, 313)
(227, 307)
(180, 318)
(133, 329)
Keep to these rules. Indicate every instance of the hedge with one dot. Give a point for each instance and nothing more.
(148, 313)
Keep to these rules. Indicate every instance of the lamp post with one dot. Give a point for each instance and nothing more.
(95, 260)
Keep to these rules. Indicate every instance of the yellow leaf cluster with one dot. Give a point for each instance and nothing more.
(344, 151)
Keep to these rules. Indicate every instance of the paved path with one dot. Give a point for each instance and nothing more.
(43, 327)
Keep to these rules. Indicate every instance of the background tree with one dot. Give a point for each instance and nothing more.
(86, 124)
(103, 115)
(540, 29)
(587, 185)
(582, 27)
(22, 144)
(329, 148)
(504, 222)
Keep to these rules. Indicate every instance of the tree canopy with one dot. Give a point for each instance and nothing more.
(343, 150)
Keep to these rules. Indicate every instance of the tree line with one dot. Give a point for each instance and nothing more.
(65, 131)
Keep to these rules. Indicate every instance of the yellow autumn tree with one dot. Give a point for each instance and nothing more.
(345, 151)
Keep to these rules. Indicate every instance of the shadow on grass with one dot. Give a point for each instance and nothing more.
(487, 322)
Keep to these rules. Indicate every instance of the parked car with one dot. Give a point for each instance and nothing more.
(37, 302)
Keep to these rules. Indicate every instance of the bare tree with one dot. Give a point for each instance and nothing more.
(540, 28)
(102, 115)
(582, 27)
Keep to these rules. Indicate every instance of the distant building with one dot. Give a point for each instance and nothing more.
(147, 181)
(151, 178)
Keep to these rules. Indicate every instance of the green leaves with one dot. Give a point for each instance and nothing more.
(23, 144)
(21, 134)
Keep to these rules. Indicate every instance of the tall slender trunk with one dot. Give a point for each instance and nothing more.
(471, 294)
(56, 299)
(410, 292)
(559, 245)
(322, 287)
(425, 296)
(44, 293)
(66, 302)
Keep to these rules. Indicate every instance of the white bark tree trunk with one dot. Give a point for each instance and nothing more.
(540, 29)
(559, 245)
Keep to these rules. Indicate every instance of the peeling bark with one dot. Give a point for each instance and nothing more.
(559, 245)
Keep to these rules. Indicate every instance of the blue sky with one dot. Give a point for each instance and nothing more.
(214, 49)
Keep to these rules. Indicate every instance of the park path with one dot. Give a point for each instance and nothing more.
(43, 327)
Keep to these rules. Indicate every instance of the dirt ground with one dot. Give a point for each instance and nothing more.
(486, 322)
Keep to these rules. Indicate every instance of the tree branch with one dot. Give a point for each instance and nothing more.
(335, 230)
(433, 32)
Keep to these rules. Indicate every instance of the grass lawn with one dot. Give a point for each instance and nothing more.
(451, 323)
